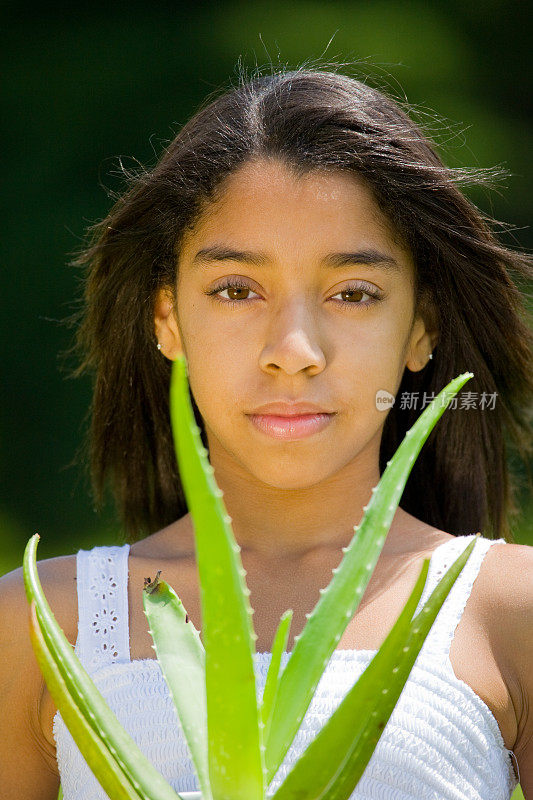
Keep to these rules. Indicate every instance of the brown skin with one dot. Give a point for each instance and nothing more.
(479, 652)
(294, 504)
(294, 335)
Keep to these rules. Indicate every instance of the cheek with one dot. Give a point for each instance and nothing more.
(369, 361)
(218, 360)
(217, 383)
(377, 340)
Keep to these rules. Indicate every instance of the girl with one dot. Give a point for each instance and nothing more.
(301, 242)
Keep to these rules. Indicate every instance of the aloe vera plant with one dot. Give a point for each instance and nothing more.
(236, 742)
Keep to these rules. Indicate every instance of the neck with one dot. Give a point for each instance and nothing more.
(274, 525)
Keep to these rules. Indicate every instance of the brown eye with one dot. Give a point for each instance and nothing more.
(353, 294)
(235, 289)
(236, 292)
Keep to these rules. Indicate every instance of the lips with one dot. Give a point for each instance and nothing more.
(284, 408)
(290, 427)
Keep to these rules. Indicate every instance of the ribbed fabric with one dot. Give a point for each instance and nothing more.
(441, 742)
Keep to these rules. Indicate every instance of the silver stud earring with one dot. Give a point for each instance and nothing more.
(430, 355)
(159, 346)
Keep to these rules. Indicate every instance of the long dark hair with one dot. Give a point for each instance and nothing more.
(312, 118)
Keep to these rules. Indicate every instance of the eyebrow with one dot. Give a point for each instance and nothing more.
(369, 257)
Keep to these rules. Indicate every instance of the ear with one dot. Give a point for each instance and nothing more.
(166, 324)
(423, 338)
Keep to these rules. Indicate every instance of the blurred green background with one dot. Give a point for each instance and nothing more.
(83, 85)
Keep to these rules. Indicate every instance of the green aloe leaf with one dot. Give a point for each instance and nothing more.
(335, 760)
(181, 656)
(94, 750)
(235, 747)
(418, 632)
(84, 694)
(339, 601)
(272, 678)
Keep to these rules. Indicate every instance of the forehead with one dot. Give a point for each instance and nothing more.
(266, 199)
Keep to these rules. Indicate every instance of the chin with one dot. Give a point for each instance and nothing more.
(293, 477)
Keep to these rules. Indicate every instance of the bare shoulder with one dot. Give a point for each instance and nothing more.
(58, 579)
(506, 597)
(507, 590)
(508, 605)
(22, 688)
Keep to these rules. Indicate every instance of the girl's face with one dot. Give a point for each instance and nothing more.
(293, 289)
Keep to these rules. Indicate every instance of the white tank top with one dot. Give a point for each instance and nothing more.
(442, 741)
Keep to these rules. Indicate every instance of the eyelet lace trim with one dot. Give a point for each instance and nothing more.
(442, 632)
(103, 630)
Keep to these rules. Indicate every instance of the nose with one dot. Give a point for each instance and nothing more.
(293, 341)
